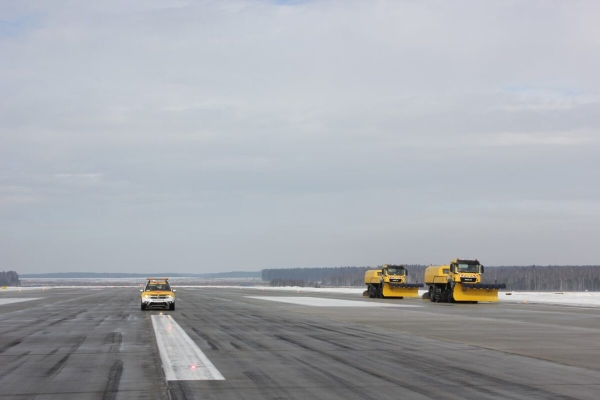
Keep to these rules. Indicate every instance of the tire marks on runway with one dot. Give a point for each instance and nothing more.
(56, 368)
(264, 380)
(14, 368)
(177, 390)
(113, 339)
(348, 361)
(473, 383)
(114, 378)
(76, 349)
(246, 342)
(206, 338)
(10, 345)
(67, 318)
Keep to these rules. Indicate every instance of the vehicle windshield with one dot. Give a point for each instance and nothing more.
(396, 271)
(468, 268)
(158, 286)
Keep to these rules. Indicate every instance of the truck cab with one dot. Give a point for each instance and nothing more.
(460, 281)
(390, 281)
(465, 271)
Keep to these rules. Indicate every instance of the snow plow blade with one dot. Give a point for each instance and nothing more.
(401, 289)
(477, 292)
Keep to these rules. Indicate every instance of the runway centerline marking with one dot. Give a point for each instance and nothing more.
(182, 359)
(324, 302)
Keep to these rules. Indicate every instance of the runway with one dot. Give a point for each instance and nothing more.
(64, 344)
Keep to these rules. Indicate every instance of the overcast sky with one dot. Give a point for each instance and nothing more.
(207, 136)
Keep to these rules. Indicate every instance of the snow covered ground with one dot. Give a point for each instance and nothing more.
(585, 299)
(580, 299)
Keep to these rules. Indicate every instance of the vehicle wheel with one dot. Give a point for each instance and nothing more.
(172, 306)
(143, 307)
(431, 294)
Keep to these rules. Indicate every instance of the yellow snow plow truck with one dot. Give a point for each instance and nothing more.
(459, 281)
(390, 281)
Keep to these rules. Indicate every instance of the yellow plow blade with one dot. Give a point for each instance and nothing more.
(462, 293)
(389, 291)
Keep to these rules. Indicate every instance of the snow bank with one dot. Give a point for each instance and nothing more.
(584, 299)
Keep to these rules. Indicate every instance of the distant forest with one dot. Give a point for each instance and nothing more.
(10, 278)
(88, 275)
(526, 278)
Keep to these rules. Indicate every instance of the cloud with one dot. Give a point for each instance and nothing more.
(12, 194)
(79, 176)
(542, 139)
(210, 126)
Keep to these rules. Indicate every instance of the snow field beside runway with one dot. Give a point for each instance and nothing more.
(583, 299)
(10, 300)
(325, 302)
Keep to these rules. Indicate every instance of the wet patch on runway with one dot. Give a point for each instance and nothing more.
(325, 302)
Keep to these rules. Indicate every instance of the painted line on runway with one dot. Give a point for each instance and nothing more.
(182, 359)
(324, 302)
(17, 300)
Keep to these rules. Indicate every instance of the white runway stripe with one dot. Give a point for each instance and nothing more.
(17, 300)
(182, 360)
(324, 302)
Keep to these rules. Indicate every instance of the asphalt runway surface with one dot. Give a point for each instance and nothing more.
(235, 343)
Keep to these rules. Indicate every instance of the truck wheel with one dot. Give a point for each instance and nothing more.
(172, 306)
(451, 295)
(371, 291)
(143, 306)
(431, 294)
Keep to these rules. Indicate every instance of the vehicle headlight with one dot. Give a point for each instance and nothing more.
(146, 296)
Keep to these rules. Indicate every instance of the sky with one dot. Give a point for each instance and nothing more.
(214, 136)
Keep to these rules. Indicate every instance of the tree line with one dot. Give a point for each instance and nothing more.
(567, 278)
(9, 278)
(577, 278)
(116, 275)
(334, 276)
